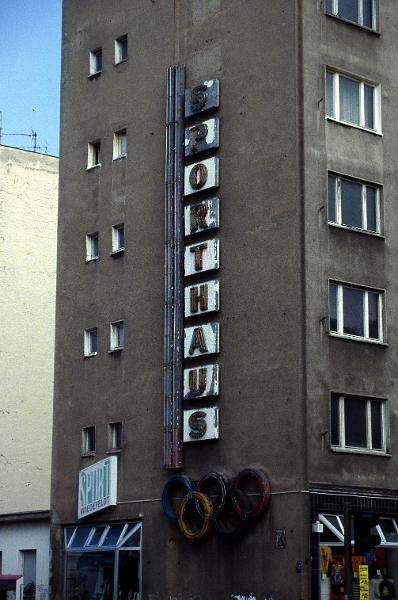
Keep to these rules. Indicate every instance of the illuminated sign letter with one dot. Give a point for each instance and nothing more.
(198, 176)
(197, 381)
(198, 97)
(198, 216)
(198, 251)
(199, 297)
(198, 341)
(197, 423)
(197, 133)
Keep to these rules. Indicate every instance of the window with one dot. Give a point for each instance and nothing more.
(119, 144)
(90, 342)
(92, 246)
(361, 12)
(121, 49)
(88, 440)
(353, 204)
(358, 422)
(117, 336)
(95, 65)
(118, 238)
(94, 154)
(352, 101)
(355, 312)
(29, 574)
(115, 440)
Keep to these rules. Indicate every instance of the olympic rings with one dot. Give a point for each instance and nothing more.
(217, 501)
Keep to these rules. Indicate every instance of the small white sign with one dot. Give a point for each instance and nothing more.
(201, 176)
(201, 381)
(97, 487)
(200, 216)
(202, 298)
(201, 257)
(201, 424)
(201, 340)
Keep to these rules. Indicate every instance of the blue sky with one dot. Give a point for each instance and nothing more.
(30, 59)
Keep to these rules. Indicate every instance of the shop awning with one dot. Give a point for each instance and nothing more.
(89, 538)
(333, 531)
(8, 583)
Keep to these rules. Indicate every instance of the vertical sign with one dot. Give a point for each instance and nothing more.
(363, 582)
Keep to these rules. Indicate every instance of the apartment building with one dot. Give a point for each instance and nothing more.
(226, 340)
(28, 234)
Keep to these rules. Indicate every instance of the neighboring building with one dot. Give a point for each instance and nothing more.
(300, 278)
(28, 233)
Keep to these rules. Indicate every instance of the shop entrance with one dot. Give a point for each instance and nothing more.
(103, 562)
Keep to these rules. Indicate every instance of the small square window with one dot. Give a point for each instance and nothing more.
(359, 423)
(355, 312)
(118, 238)
(92, 247)
(95, 64)
(119, 144)
(90, 342)
(115, 436)
(88, 440)
(117, 336)
(94, 154)
(354, 204)
(121, 49)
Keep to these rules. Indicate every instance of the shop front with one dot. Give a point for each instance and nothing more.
(103, 561)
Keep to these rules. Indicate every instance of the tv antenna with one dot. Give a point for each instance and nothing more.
(32, 135)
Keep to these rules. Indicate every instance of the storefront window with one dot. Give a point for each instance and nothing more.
(103, 562)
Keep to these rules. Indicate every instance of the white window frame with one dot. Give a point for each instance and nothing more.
(384, 425)
(93, 61)
(340, 312)
(94, 154)
(338, 209)
(115, 326)
(118, 49)
(375, 10)
(88, 351)
(336, 101)
(85, 451)
(90, 246)
(118, 137)
(116, 247)
(112, 436)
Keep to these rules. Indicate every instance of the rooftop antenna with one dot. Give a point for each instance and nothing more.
(1, 125)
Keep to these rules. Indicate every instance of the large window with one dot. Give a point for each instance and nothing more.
(355, 312)
(358, 422)
(352, 100)
(353, 204)
(361, 12)
(103, 562)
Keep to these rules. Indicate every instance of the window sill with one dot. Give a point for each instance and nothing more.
(358, 25)
(354, 338)
(92, 167)
(86, 454)
(119, 157)
(117, 252)
(356, 230)
(89, 260)
(347, 124)
(90, 354)
(366, 451)
(120, 62)
(115, 451)
(94, 75)
(115, 350)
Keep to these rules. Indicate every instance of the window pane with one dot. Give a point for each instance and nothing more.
(369, 108)
(333, 306)
(355, 422)
(353, 311)
(390, 533)
(332, 198)
(120, 335)
(368, 13)
(329, 7)
(113, 535)
(97, 536)
(80, 537)
(351, 203)
(375, 410)
(329, 94)
(373, 300)
(89, 575)
(371, 207)
(334, 420)
(94, 246)
(93, 340)
(120, 235)
(134, 540)
(349, 100)
(348, 9)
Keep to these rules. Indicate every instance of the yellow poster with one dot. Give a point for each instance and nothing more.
(363, 582)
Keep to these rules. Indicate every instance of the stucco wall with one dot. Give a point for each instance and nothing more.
(28, 215)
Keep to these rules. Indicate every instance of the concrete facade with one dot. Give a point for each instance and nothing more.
(28, 232)
(278, 363)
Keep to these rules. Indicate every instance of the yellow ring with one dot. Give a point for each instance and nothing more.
(207, 506)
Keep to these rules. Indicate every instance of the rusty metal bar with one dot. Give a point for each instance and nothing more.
(174, 274)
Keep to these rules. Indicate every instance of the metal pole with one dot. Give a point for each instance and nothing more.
(347, 554)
